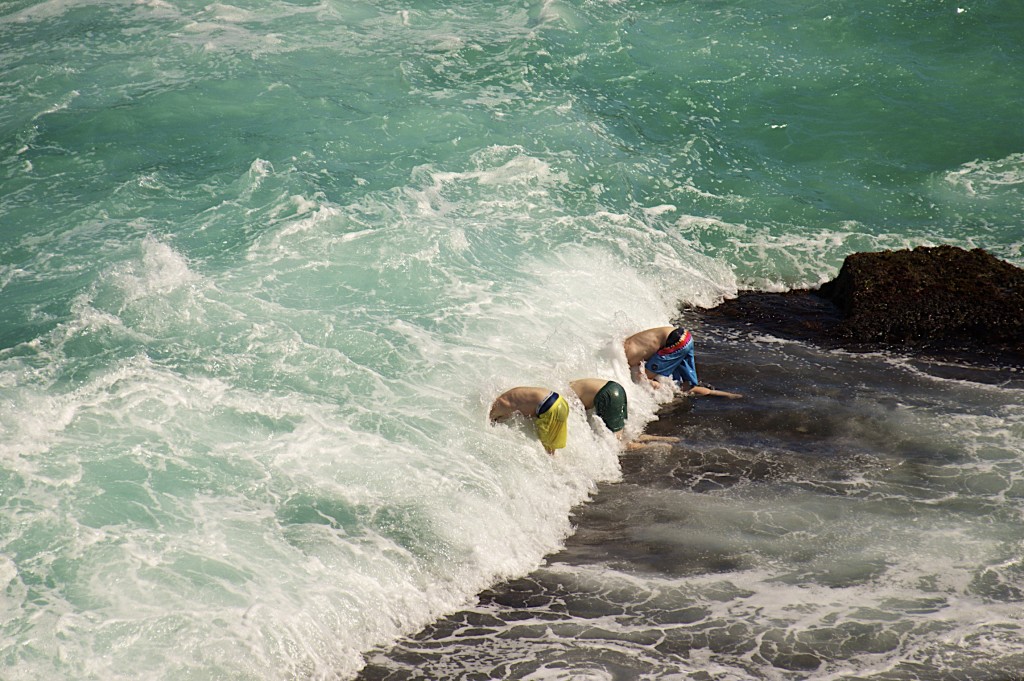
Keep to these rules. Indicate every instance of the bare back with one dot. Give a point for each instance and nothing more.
(640, 346)
(521, 400)
(587, 388)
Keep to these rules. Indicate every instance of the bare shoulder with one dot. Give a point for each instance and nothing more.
(525, 392)
(587, 388)
(587, 385)
(643, 344)
(659, 333)
(523, 399)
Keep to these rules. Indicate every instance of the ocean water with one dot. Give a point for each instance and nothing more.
(264, 266)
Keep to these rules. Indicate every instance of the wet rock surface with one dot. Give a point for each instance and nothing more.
(942, 301)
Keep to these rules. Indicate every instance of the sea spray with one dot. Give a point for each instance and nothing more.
(264, 267)
(298, 443)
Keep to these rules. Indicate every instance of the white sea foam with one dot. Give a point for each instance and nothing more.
(262, 287)
(337, 482)
(984, 178)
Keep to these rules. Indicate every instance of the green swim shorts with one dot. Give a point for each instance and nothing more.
(610, 405)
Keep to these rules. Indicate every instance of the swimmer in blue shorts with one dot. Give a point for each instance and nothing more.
(548, 408)
(667, 352)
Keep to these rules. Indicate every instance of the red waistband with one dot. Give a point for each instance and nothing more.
(683, 342)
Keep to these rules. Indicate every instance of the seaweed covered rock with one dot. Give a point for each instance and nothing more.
(941, 298)
(939, 301)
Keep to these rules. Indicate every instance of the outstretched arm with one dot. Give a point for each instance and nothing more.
(701, 390)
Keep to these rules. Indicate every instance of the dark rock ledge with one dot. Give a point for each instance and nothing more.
(943, 302)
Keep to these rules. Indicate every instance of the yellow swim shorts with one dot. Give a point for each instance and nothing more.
(552, 425)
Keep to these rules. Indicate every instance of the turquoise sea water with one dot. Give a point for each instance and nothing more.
(264, 265)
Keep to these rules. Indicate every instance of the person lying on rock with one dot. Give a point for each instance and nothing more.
(666, 352)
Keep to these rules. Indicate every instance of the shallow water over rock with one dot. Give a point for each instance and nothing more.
(854, 514)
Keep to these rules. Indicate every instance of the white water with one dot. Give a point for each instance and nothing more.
(263, 266)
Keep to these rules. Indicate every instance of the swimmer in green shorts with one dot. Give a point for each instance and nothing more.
(606, 398)
(609, 402)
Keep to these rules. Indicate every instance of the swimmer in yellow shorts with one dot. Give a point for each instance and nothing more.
(550, 410)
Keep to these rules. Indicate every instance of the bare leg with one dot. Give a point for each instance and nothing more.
(635, 446)
(701, 390)
(644, 437)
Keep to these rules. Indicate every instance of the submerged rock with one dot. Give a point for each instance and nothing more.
(939, 300)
